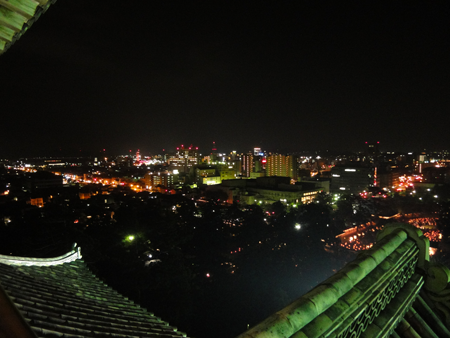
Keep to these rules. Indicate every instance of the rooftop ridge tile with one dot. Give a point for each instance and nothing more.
(68, 300)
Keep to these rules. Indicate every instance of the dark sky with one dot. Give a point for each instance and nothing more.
(288, 76)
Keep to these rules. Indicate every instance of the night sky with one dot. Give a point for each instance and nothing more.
(304, 75)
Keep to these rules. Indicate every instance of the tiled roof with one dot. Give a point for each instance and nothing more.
(16, 16)
(66, 300)
(390, 290)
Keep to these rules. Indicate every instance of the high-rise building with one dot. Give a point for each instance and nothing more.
(292, 166)
(276, 165)
(164, 179)
(372, 152)
(351, 178)
(247, 164)
(282, 165)
(183, 158)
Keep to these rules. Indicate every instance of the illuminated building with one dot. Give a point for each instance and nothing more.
(211, 180)
(124, 161)
(320, 183)
(138, 157)
(247, 165)
(282, 165)
(38, 202)
(84, 195)
(351, 179)
(165, 179)
(251, 163)
(372, 151)
(233, 156)
(257, 174)
(292, 166)
(202, 172)
(276, 165)
(387, 178)
(267, 190)
(227, 173)
(183, 158)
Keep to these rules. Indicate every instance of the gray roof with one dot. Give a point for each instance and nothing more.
(61, 297)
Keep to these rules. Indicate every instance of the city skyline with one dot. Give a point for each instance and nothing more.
(276, 76)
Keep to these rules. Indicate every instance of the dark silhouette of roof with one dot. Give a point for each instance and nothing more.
(60, 297)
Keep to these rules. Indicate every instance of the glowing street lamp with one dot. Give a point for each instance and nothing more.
(130, 238)
(298, 226)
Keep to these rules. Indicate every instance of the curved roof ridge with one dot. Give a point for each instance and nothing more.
(29, 261)
(16, 17)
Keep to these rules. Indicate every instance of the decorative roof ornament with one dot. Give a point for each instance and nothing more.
(30, 261)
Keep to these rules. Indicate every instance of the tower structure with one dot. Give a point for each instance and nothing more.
(138, 156)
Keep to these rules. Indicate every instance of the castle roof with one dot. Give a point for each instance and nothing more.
(390, 290)
(60, 297)
(16, 16)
